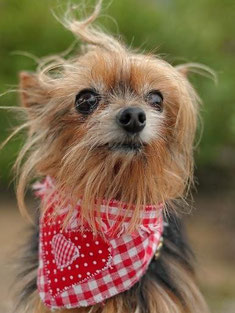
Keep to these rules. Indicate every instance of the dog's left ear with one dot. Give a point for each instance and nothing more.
(183, 69)
(32, 92)
(196, 68)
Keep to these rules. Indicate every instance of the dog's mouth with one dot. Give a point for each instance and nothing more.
(125, 146)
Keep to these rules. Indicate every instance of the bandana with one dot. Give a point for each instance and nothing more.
(78, 268)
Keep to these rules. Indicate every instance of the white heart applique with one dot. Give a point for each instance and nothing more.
(65, 252)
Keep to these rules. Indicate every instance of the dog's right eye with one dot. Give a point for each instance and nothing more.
(87, 101)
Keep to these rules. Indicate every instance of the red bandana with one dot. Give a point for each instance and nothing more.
(78, 269)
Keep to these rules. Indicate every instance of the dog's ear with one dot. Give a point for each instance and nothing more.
(184, 69)
(196, 68)
(32, 92)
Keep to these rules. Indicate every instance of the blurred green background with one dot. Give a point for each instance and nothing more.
(182, 31)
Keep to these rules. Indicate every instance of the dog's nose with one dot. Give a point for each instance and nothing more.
(131, 119)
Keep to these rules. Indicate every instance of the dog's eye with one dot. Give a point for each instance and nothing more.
(86, 101)
(155, 99)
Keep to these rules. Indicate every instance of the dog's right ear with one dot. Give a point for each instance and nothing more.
(32, 92)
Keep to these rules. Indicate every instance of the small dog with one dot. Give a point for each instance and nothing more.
(110, 133)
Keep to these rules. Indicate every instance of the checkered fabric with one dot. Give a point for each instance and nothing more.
(65, 252)
(78, 268)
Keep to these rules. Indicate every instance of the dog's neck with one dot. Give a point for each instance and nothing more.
(110, 216)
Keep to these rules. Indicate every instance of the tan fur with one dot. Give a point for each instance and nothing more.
(48, 98)
(72, 149)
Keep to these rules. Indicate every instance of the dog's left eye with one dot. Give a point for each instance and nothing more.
(155, 99)
(86, 101)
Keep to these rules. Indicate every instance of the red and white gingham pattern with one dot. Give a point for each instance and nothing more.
(104, 265)
(65, 252)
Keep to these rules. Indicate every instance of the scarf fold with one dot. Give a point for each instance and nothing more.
(78, 268)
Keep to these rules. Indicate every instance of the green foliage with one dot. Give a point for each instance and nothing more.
(181, 30)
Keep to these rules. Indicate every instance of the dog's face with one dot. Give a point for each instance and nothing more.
(112, 124)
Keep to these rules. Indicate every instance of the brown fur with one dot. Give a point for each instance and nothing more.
(72, 148)
(59, 138)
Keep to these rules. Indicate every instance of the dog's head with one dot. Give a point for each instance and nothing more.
(110, 123)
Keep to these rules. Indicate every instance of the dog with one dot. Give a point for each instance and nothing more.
(110, 139)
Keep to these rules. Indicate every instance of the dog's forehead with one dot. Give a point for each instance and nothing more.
(110, 71)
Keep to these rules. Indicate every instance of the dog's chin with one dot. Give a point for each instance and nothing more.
(125, 147)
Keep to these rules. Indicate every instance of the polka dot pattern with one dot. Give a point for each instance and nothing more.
(71, 257)
(102, 268)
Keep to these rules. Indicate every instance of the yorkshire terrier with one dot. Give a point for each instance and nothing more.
(110, 136)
